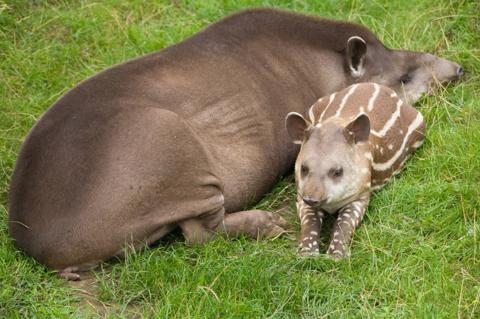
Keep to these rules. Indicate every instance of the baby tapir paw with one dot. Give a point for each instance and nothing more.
(308, 252)
(308, 247)
(337, 251)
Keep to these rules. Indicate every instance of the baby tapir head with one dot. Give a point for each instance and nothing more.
(409, 73)
(331, 168)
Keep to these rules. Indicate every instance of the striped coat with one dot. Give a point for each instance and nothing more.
(396, 131)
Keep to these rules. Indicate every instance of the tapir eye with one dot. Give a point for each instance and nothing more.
(304, 170)
(336, 172)
(405, 78)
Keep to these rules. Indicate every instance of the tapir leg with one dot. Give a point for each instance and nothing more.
(310, 224)
(251, 223)
(349, 218)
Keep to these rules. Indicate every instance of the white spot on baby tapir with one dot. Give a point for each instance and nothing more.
(390, 146)
(313, 233)
(401, 132)
(393, 94)
(368, 156)
(417, 144)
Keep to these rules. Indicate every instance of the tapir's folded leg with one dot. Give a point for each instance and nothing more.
(310, 225)
(349, 218)
(252, 223)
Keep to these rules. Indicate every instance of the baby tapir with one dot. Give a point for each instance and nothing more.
(354, 142)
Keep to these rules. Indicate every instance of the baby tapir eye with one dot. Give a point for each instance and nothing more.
(304, 170)
(336, 172)
(405, 78)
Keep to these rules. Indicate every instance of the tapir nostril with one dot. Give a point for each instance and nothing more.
(460, 71)
(310, 201)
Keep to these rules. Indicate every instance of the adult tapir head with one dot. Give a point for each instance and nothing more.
(409, 73)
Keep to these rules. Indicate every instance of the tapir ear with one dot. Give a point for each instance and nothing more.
(356, 50)
(296, 126)
(358, 130)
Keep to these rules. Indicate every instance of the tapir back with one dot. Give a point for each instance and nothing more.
(396, 129)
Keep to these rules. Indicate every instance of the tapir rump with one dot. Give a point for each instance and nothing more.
(354, 141)
(190, 135)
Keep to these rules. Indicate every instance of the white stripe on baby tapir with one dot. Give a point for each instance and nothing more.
(310, 112)
(390, 121)
(332, 97)
(345, 99)
(374, 96)
(386, 165)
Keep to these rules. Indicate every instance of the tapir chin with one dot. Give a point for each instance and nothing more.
(189, 136)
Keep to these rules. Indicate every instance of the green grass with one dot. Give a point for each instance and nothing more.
(415, 256)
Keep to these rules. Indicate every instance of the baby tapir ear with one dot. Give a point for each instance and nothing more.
(296, 126)
(356, 50)
(358, 130)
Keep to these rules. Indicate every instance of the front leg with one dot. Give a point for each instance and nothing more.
(310, 225)
(349, 217)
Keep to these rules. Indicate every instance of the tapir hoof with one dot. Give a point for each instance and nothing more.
(307, 252)
(272, 225)
(337, 255)
(69, 274)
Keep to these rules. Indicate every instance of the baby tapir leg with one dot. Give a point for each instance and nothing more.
(310, 224)
(349, 218)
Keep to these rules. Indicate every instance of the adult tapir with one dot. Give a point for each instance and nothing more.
(190, 135)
